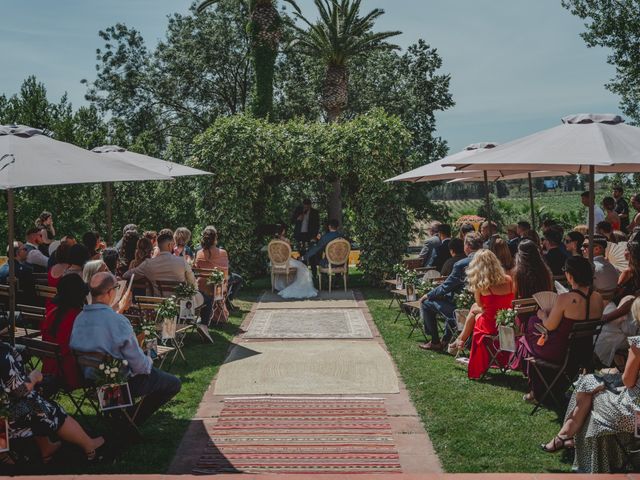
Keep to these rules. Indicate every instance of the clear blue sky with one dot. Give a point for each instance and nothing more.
(517, 66)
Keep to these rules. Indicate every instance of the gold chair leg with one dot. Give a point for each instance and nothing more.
(319, 280)
(330, 279)
(344, 277)
(272, 282)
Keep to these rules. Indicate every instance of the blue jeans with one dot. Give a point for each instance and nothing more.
(158, 388)
(429, 311)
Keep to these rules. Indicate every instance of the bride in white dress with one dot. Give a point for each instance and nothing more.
(302, 286)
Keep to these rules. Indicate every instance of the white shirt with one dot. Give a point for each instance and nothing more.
(36, 257)
(304, 228)
(605, 275)
(598, 215)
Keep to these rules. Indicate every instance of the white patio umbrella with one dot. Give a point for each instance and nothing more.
(154, 164)
(30, 158)
(583, 143)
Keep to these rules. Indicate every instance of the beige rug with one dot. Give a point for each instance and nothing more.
(335, 299)
(309, 323)
(307, 368)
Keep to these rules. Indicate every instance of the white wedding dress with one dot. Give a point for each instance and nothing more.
(302, 286)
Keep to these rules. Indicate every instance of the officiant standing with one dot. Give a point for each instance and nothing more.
(306, 220)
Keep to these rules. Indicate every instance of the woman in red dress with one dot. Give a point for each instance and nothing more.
(58, 324)
(493, 290)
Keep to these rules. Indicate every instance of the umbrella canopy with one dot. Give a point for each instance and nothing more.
(155, 164)
(601, 141)
(31, 158)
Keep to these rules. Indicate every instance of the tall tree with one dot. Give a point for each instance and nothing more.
(265, 27)
(615, 24)
(338, 37)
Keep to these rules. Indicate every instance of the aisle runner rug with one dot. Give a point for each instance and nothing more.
(336, 299)
(309, 323)
(300, 435)
(307, 367)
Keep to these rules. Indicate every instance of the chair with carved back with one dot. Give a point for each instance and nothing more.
(279, 254)
(337, 256)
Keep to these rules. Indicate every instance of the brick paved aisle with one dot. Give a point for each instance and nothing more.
(307, 387)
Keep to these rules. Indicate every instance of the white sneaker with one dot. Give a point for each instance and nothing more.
(204, 331)
(462, 361)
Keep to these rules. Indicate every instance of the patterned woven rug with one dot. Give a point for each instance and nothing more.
(335, 299)
(309, 323)
(300, 435)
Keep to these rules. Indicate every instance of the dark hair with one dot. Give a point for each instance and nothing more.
(532, 274)
(144, 248)
(33, 230)
(605, 226)
(585, 194)
(553, 235)
(600, 241)
(78, 255)
(129, 228)
(209, 237)
(473, 240)
(333, 223)
(456, 245)
(532, 235)
(444, 228)
(501, 248)
(548, 223)
(609, 203)
(89, 240)
(151, 235)
(466, 228)
(61, 254)
(618, 188)
(524, 225)
(576, 237)
(165, 231)
(128, 247)
(44, 216)
(306, 201)
(163, 238)
(580, 269)
(71, 293)
(110, 258)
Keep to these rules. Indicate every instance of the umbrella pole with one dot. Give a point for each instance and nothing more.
(487, 199)
(592, 202)
(533, 215)
(12, 266)
(108, 192)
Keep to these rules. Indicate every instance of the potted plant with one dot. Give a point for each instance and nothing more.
(167, 312)
(506, 322)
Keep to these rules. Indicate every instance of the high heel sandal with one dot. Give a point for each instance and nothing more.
(556, 448)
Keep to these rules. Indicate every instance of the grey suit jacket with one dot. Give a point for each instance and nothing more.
(165, 267)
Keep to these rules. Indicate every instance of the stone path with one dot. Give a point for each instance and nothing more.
(415, 450)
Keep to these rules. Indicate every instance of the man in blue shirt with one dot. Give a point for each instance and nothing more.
(314, 254)
(98, 328)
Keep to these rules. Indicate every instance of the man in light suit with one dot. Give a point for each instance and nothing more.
(428, 252)
(314, 255)
(165, 266)
(440, 300)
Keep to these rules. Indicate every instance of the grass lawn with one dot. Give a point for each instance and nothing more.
(475, 426)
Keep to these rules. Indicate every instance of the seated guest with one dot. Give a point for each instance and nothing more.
(488, 231)
(73, 262)
(127, 250)
(569, 307)
(440, 300)
(110, 258)
(547, 224)
(61, 264)
(427, 254)
(313, 256)
(553, 255)
(152, 235)
(610, 214)
(573, 243)
(165, 266)
(493, 291)
(181, 238)
(599, 419)
(91, 240)
(32, 415)
(68, 240)
(464, 229)
(26, 292)
(91, 268)
(522, 228)
(606, 275)
(501, 249)
(456, 250)
(533, 236)
(38, 260)
(531, 274)
(144, 249)
(98, 328)
(132, 227)
(604, 229)
(164, 231)
(57, 326)
(442, 251)
(513, 239)
(78, 257)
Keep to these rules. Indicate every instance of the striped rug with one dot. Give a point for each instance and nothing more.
(300, 435)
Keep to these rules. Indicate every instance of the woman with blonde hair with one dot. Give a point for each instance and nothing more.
(91, 268)
(493, 291)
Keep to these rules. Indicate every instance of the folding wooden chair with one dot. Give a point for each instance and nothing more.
(44, 292)
(167, 287)
(412, 311)
(148, 307)
(579, 355)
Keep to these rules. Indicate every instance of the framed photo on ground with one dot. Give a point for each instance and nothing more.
(399, 282)
(188, 309)
(411, 293)
(218, 293)
(4, 434)
(507, 338)
(114, 396)
(151, 347)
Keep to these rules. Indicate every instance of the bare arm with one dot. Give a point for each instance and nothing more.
(554, 318)
(630, 374)
(623, 309)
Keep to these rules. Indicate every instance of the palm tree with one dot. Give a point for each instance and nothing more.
(265, 27)
(339, 36)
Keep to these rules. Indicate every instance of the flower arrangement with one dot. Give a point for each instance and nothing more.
(506, 317)
(216, 277)
(472, 219)
(112, 372)
(169, 308)
(424, 287)
(464, 300)
(409, 277)
(185, 291)
(144, 326)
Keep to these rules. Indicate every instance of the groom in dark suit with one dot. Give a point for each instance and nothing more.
(306, 220)
(314, 256)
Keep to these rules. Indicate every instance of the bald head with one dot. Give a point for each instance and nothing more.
(101, 286)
